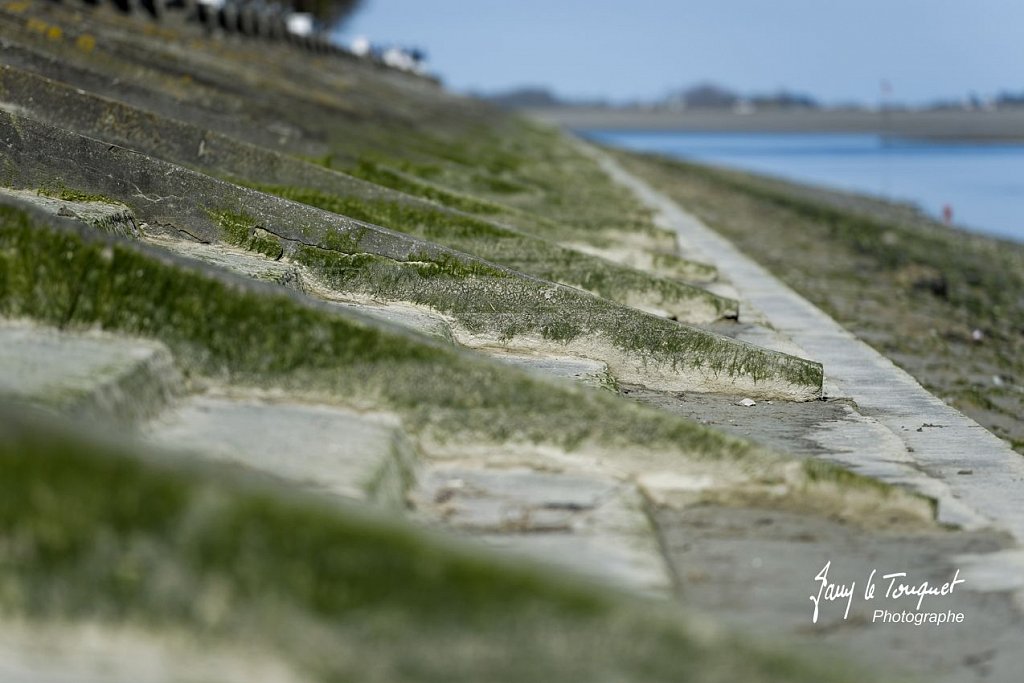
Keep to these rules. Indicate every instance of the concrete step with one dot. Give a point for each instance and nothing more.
(133, 385)
(592, 525)
(87, 376)
(318, 447)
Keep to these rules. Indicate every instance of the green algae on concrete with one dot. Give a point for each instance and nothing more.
(60, 277)
(567, 197)
(98, 211)
(68, 194)
(64, 278)
(495, 304)
(144, 130)
(488, 301)
(381, 175)
(244, 231)
(524, 253)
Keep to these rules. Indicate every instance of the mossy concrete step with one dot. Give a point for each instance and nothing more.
(251, 334)
(417, 318)
(176, 552)
(103, 214)
(88, 376)
(183, 143)
(321, 448)
(588, 524)
(494, 306)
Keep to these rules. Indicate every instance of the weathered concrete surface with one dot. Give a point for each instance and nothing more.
(321, 448)
(233, 259)
(580, 369)
(984, 476)
(569, 500)
(223, 268)
(88, 376)
(832, 430)
(115, 218)
(592, 525)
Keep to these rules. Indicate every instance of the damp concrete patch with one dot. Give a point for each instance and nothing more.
(784, 426)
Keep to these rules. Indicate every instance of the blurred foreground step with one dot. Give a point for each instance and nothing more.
(89, 376)
(319, 447)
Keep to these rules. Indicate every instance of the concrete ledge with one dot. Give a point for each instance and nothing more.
(87, 376)
(321, 448)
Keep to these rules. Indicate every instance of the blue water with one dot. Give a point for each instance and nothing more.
(982, 183)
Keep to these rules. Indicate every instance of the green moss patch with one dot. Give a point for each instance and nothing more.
(243, 231)
(532, 177)
(68, 194)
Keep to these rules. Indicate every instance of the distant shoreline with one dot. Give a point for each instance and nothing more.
(1005, 125)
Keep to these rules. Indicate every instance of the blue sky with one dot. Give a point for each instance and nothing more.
(837, 50)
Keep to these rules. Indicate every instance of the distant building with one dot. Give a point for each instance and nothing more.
(300, 23)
